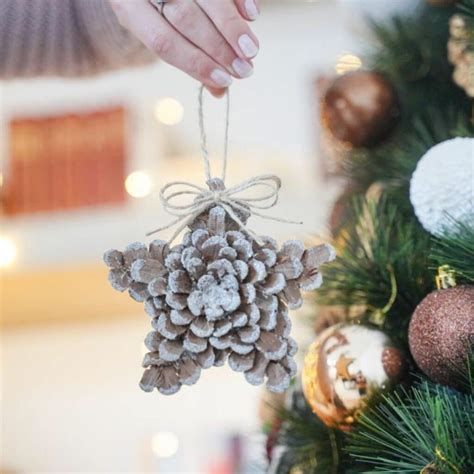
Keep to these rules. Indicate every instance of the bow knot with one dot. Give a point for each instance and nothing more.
(231, 199)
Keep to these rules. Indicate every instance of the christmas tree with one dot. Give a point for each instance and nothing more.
(388, 386)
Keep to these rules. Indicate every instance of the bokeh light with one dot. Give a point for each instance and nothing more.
(347, 63)
(164, 444)
(7, 252)
(138, 184)
(169, 111)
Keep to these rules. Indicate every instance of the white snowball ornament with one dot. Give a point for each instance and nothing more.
(442, 186)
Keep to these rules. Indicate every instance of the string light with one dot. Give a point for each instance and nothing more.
(138, 184)
(7, 252)
(164, 444)
(169, 111)
(348, 62)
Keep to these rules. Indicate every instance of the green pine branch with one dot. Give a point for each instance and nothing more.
(456, 249)
(466, 9)
(386, 265)
(393, 163)
(411, 46)
(428, 429)
(466, 374)
(310, 446)
(382, 265)
(412, 52)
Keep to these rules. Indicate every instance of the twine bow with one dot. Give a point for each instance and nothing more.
(230, 199)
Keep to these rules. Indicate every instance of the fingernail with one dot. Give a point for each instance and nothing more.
(242, 68)
(251, 9)
(221, 78)
(248, 47)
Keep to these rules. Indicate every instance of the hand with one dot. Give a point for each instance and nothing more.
(208, 39)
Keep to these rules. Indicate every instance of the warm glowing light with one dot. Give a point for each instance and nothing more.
(7, 252)
(169, 111)
(164, 444)
(1, 180)
(348, 62)
(138, 184)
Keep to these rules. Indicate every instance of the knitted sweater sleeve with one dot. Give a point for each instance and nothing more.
(64, 38)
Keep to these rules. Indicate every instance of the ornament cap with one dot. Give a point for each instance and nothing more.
(445, 277)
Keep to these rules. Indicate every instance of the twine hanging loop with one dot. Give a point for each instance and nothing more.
(231, 199)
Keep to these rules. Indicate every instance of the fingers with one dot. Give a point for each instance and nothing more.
(161, 38)
(227, 19)
(193, 24)
(249, 9)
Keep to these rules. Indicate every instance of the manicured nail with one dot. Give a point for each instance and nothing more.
(251, 9)
(221, 78)
(242, 68)
(248, 47)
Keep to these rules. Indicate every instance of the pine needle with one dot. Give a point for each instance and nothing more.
(310, 446)
(456, 249)
(429, 425)
(375, 250)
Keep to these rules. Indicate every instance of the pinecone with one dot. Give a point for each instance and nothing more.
(218, 296)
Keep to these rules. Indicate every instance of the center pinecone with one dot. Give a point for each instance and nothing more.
(219, 295)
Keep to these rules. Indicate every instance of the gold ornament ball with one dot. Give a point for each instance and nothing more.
(360, 108)
(344, 367)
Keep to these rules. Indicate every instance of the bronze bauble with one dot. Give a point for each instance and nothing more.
(441, 330)
(361, 108)
(344, 367)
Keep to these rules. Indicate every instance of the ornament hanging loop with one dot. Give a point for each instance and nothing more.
(232, 199)
(202, 129)
(378, 315)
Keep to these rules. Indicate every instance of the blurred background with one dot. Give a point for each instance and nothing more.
(82, 162)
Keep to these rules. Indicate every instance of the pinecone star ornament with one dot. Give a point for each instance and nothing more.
(218, 296)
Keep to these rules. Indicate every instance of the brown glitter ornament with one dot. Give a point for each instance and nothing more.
(360, 108)
(344, 367)
(440, 331)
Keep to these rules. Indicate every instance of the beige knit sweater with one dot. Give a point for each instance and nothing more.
(64, 38)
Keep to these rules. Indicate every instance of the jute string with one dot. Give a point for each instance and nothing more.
(230, 199)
